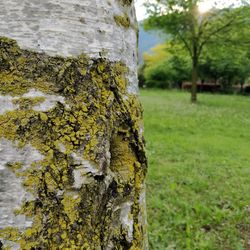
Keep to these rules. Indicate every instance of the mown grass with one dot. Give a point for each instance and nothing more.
(198, 193)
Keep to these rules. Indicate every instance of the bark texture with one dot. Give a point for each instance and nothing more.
(72, 160)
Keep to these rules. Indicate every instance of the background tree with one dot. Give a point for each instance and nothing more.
(227, 59)
(72, 161)
(186, 24)
(224, 62)
(225, 65)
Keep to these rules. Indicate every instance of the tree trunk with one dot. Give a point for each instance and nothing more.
(242, 81)
(72, 159)
(194, 80)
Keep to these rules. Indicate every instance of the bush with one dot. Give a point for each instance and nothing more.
(169, 73)
(167, 66)
(157, 77)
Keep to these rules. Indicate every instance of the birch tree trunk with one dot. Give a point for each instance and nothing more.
(72, 161)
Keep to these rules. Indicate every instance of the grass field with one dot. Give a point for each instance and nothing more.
(198, 192)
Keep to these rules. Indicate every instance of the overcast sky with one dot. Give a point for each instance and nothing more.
(141, 12)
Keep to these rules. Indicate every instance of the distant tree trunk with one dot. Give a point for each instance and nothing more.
(72, 159)
(242, 81)
(194, 80)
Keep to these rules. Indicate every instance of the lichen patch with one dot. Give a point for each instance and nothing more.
(71, 111)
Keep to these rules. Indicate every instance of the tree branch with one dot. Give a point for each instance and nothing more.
(185, 44)
(213, 33)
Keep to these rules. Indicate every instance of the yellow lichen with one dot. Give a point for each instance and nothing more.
(93, 117)
(123, 157)
(123, 21)
(28, 103)
(71, 203)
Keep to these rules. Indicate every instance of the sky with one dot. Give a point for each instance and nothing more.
(140, 10)
(205, 5)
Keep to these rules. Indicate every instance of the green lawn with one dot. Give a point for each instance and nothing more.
(198, 192)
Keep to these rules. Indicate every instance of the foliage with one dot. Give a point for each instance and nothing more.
(227, 66)
(225, 61)
(182, 19)
(198, 180)
(167, 66)
(228, 62)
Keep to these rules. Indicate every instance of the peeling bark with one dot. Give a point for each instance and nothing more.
(72, 158)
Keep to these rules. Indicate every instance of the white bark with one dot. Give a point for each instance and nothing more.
(72, 27)
(11, 191)
(67, 28)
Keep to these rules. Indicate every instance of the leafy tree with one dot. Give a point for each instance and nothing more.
(182, 19)
(228, 60)
(227, 65)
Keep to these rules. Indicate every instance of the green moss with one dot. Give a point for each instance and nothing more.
(94, 114)
(123, 21)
